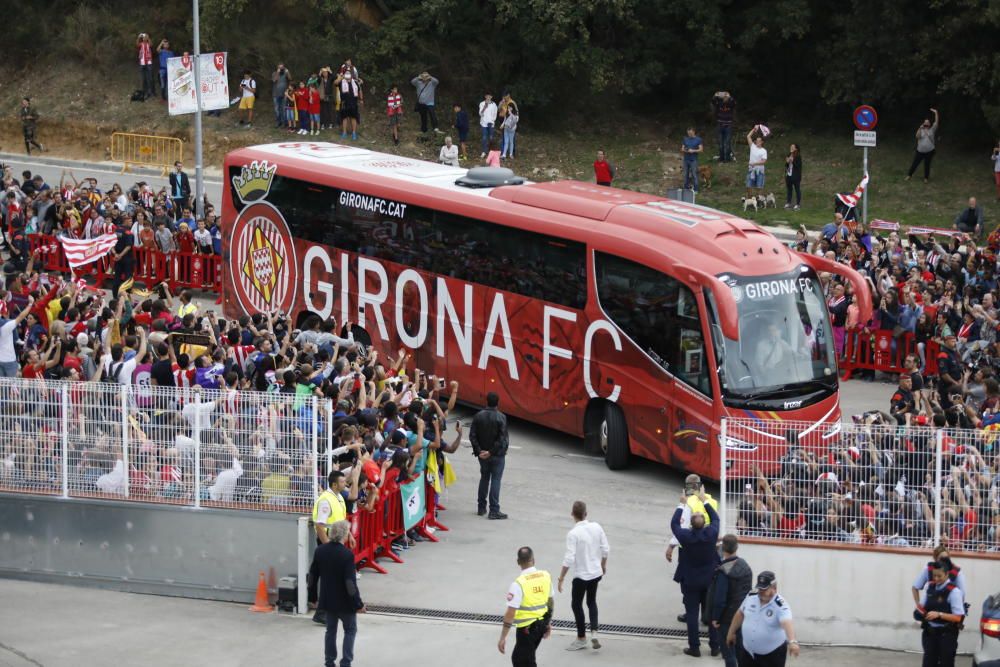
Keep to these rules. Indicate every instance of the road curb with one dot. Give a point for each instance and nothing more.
(93, 166)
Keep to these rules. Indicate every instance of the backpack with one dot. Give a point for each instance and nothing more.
(250, 365)
(113, 372)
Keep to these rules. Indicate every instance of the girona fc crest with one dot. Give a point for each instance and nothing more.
(262, 261)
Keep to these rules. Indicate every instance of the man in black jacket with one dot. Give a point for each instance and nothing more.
(695, 567)
(488, 436)
(180, 189)
(339, 596)
(732, 583)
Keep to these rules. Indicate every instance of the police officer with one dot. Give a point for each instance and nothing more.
(529, 610)
(329, 508)
(955, 575)
(941, 613)
(766, 622)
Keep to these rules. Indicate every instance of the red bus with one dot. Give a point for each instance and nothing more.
(633, 321)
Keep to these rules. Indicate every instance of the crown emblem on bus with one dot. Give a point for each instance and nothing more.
(254, 180)
(263, 264)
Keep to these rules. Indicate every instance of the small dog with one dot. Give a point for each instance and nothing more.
(749, 203)
(705, 176)
(769, 201)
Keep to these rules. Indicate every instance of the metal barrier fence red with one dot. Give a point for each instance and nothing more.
(881, 351)
(179, 270)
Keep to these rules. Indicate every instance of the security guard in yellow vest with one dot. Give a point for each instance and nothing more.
(529, 610)
(330, 506)
(328, 509)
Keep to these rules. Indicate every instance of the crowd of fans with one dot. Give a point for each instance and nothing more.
(936, 306)
(142, 216)
(256, 407)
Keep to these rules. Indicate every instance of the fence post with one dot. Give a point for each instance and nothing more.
(315, 448)
(329, 437)
(64, 397)
(937, 486)
(723, 498)
(302, 604)
(125, 439)
(197, 450)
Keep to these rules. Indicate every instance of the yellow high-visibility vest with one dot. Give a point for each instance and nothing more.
(338, 508)
(694, 502)
(536, 589)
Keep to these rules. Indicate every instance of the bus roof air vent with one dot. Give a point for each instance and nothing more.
(489, 177)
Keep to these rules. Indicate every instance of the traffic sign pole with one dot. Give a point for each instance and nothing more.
(864, 194)
(199, 180)
(865, 119)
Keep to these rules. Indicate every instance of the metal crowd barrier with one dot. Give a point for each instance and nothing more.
(145, 150)
(201, 448)
(180, 270)
(867, 484)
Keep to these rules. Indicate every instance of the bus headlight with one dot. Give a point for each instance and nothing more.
(739, 445)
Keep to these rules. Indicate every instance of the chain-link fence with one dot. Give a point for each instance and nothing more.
(870, 482)
(179, 445)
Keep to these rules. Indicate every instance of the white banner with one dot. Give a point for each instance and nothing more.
(182, 96)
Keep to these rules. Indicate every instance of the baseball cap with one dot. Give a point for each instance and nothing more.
(765, 580)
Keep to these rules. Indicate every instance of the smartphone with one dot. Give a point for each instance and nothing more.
(441, 383)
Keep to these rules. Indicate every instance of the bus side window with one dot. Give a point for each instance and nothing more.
(659, 313)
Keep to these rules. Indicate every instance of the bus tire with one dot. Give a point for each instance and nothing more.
(614, 438)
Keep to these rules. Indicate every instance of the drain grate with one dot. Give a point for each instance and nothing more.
(495, 619)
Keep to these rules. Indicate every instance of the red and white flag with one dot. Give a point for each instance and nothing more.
(884, 225)
(80, 252)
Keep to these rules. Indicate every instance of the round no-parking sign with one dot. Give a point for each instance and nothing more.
(865, 117)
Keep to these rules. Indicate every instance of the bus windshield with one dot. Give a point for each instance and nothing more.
(785, 343)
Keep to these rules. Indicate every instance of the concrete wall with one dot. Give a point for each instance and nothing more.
(862, 597)
(210, 554)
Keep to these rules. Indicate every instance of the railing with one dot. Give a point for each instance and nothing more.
(145, 150)
(879, 350)
(201, 448)
(873, 482)
(179, 270)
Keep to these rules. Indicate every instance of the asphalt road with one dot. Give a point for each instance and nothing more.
(106, 173)
(46, 625)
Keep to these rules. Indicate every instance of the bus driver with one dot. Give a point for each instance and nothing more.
(773, 353)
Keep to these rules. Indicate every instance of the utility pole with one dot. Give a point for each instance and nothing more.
(198, 174)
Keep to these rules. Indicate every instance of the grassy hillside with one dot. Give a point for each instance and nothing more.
(77, 121)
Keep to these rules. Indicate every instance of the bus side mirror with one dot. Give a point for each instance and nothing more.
(724, 301)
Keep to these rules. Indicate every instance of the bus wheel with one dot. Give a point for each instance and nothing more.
(613, 438)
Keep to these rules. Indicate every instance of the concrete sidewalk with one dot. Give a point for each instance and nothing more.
(52, 626)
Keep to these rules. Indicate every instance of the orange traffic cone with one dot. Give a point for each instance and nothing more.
(261, 603)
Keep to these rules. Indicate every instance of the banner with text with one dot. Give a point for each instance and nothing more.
(182, 96)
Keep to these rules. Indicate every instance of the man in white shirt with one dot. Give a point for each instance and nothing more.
(487, 118)
(758, 158)
(224, 487)
(587, 555)
(8, 353)
(117, 368)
